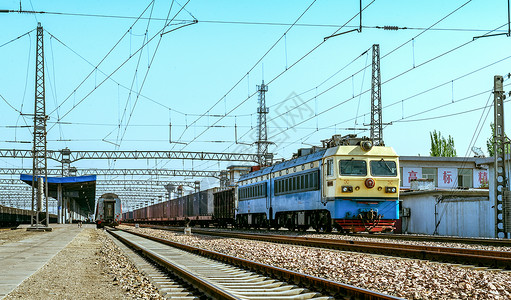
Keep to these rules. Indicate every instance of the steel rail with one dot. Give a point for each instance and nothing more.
(445, 239)
(326, 287)
(477, 257)
(205, 286)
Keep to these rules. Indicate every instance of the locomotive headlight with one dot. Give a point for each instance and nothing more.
(369, 182)
(390, 189)
(366, 145)
(347, 189)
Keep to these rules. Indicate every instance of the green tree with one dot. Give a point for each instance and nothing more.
(440, 146)
(491, 140)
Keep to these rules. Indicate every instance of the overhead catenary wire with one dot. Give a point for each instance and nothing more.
(150, 63)
(112, 73)
(98, 69)
(392, 78)
(425, 30)
(395, 49)
(256, 23)
(16, 38)
(294, 64)
(404, 119)
(298, 61)
(136, 72)
(250, 70)
(102, 60)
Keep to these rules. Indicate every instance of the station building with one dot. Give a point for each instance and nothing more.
(447, 196)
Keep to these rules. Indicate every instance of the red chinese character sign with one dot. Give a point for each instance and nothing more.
(481, 178)
(409, 174)
(447, 177)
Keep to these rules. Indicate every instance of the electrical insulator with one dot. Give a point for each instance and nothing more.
(390, 28)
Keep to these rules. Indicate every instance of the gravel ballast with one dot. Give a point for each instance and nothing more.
(90, 267)
(407, 278)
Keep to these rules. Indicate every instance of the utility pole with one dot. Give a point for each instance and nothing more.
(264, 158)
(501, 187)
(376, 116)
(39, 162)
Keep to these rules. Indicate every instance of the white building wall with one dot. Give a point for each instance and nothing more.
(466, 215)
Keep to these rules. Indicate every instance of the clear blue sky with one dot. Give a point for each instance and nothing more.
(195, 66)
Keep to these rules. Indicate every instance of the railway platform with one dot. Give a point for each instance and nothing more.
(21, 259)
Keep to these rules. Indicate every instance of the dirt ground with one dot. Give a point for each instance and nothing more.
(77, 272)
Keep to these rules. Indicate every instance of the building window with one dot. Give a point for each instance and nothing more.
(465, 178)
(430, 173)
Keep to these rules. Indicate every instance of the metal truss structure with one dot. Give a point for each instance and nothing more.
(123, 172)
(11, 181)
(154, 183)
(127, 182)
(376, 108)
(264, 158)
(68, 156)
(117, 189)
(15, 188)
(38, 153)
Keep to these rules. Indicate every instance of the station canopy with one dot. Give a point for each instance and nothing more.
(80, 188)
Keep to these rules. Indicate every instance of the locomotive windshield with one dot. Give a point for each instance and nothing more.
(353, 167)
(383, 168)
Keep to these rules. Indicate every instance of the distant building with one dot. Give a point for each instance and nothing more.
(446, 172)
(447, 196)
(230, 176)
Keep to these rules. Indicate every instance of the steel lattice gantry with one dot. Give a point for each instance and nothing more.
(376, 108)
(129, 182)
(79, 155)
(38, 153)
(264, 158)
(125, 172)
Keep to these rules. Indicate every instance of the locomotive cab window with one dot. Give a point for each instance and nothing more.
(330, 167)
(383, 168)
(353, 167)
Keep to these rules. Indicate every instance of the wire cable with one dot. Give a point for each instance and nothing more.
(149, 66)
(290, 67)
(102, 60)
(111, 74)
(250, 70)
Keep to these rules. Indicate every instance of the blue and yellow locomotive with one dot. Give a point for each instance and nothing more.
(349, 184)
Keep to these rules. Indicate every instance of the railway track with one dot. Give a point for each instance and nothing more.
(220, 276)
(442, 239)
(475, 257)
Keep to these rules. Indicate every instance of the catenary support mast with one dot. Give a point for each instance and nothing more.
(39, 163)
(501, 191)
(264, 158)
(376, 111)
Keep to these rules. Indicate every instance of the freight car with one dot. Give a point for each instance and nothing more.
(224, 207)
(193, 209)
(108, 210)
(349, 184)
(12, 217)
